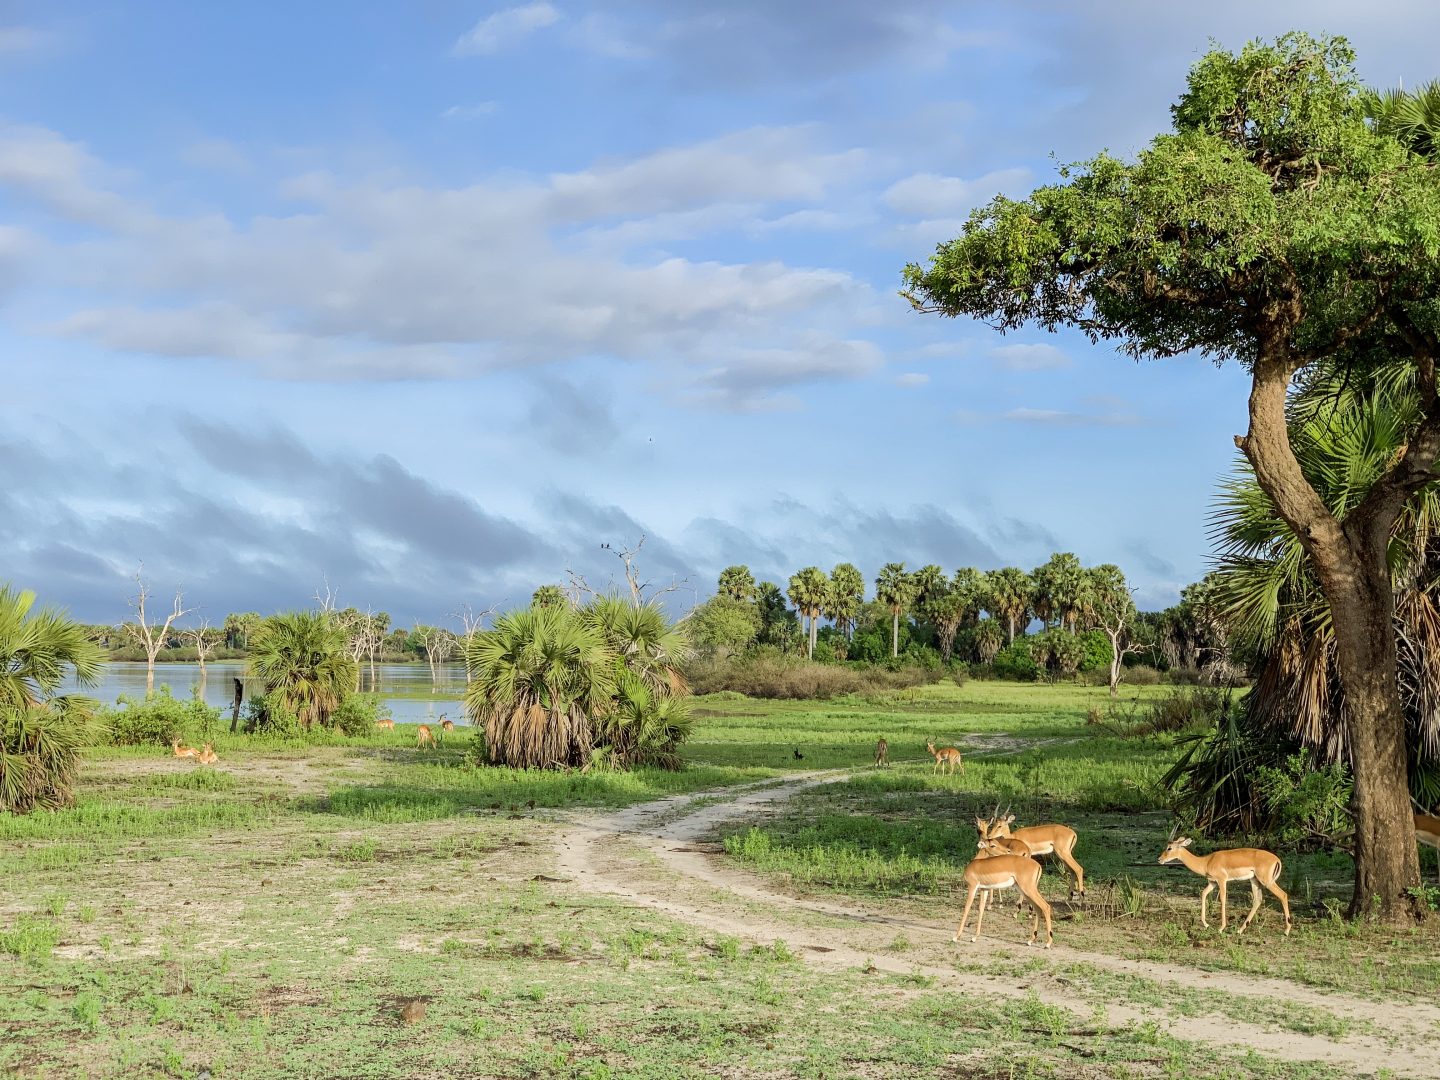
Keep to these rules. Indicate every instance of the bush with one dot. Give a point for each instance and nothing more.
(1015, 662)
(1308, 803)
(159, 720)
(264, 714)
(358, 714)
(766, 674)
(1097, 652)
(1142, 675)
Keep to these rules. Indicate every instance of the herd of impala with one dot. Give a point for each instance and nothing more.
(1006, 859)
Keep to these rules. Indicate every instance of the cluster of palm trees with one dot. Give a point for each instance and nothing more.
(598, 685)
(995, 604)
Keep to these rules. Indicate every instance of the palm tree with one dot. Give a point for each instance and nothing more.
(41, 730)
(847, 593)
(1010, 593)
(737, 582)
(549, 596)
(810, 593)
(1344, 439)
(302, 659)
(895, 589)
(1411, 116)
(988, 637)
(643, 639)
(1060, 590)
(930, 583)
(947, 612)
(642, 726)
(541, 676)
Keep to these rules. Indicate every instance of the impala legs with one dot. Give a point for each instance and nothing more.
(960, 930)
(1281, 895)
(1224, 898)
(984, 898)
(1205, 899)
(1032, 893)
(1075, 868)
(1254, 905)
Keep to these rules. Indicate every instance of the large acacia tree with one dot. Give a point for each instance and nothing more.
(1279, 226)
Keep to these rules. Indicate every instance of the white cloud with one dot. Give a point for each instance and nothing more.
(471, 112)
(387, 279)
(494, 32)
(911, 379)
(1062, 418)
(1036, 357)
(927, 195)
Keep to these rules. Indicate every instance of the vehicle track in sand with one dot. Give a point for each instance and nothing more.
(646, 855)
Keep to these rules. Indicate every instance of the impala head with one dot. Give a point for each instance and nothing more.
(991, 847)
(1173, 849)
(930, 745)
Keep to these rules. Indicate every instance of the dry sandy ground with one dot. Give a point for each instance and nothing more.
(648, 854)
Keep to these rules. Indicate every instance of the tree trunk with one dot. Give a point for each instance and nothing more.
(235, 712)
(814, 631)
(1011, 619)
(1350, 564)
(894, 634)
(1114, 663)
(149, 673)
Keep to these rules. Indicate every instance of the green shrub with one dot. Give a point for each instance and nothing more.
(358, 714)
(1015, 662)
(1097, 651)
(1309, 803)
(268, 716)
(159, 720)
(767, 674)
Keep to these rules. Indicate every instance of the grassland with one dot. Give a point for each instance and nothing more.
(274, 916)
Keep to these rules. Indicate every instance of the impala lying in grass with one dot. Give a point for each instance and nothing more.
(1427, 832)
(1254, 865)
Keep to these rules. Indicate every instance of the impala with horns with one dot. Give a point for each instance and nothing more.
(990, 872)
(1057, 840)
(1255, 865)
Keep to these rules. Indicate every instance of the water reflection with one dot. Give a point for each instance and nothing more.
(406, 688)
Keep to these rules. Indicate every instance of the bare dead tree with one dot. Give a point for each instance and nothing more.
(150, 637)
(634, 580)
(204, 639)
(473, 622)
(438, 644)
(325, 596)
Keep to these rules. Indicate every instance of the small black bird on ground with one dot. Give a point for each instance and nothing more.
(799, 756)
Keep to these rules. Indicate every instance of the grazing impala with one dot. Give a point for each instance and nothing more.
(1427, 832)
(882, 752)
(183, 751)
(1057, 840)
(207, 756)
(990, 872)
(946, 756)
(446, 727)
(1235, 864)
(424, 736)
(385, 725)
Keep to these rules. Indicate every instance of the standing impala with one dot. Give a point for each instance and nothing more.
(946, 756)
(1427, 832)
(1254, 865)
(424, 736)
(990, 872)
(1057, 840)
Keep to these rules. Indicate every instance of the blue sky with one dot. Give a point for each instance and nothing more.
(430, 300)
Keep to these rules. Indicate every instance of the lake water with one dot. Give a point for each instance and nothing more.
(406, 688)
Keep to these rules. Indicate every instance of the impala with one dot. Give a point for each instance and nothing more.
(424, 736)
(1235, 864)
(947, 756)
(183, 751)
(207, 756)
(882, 752)
(1057, 840)
(1427, 832)
(989, 872)
(446, 726)
(387, 725)
(1008, 845)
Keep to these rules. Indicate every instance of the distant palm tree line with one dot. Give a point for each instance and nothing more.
(997, 604)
